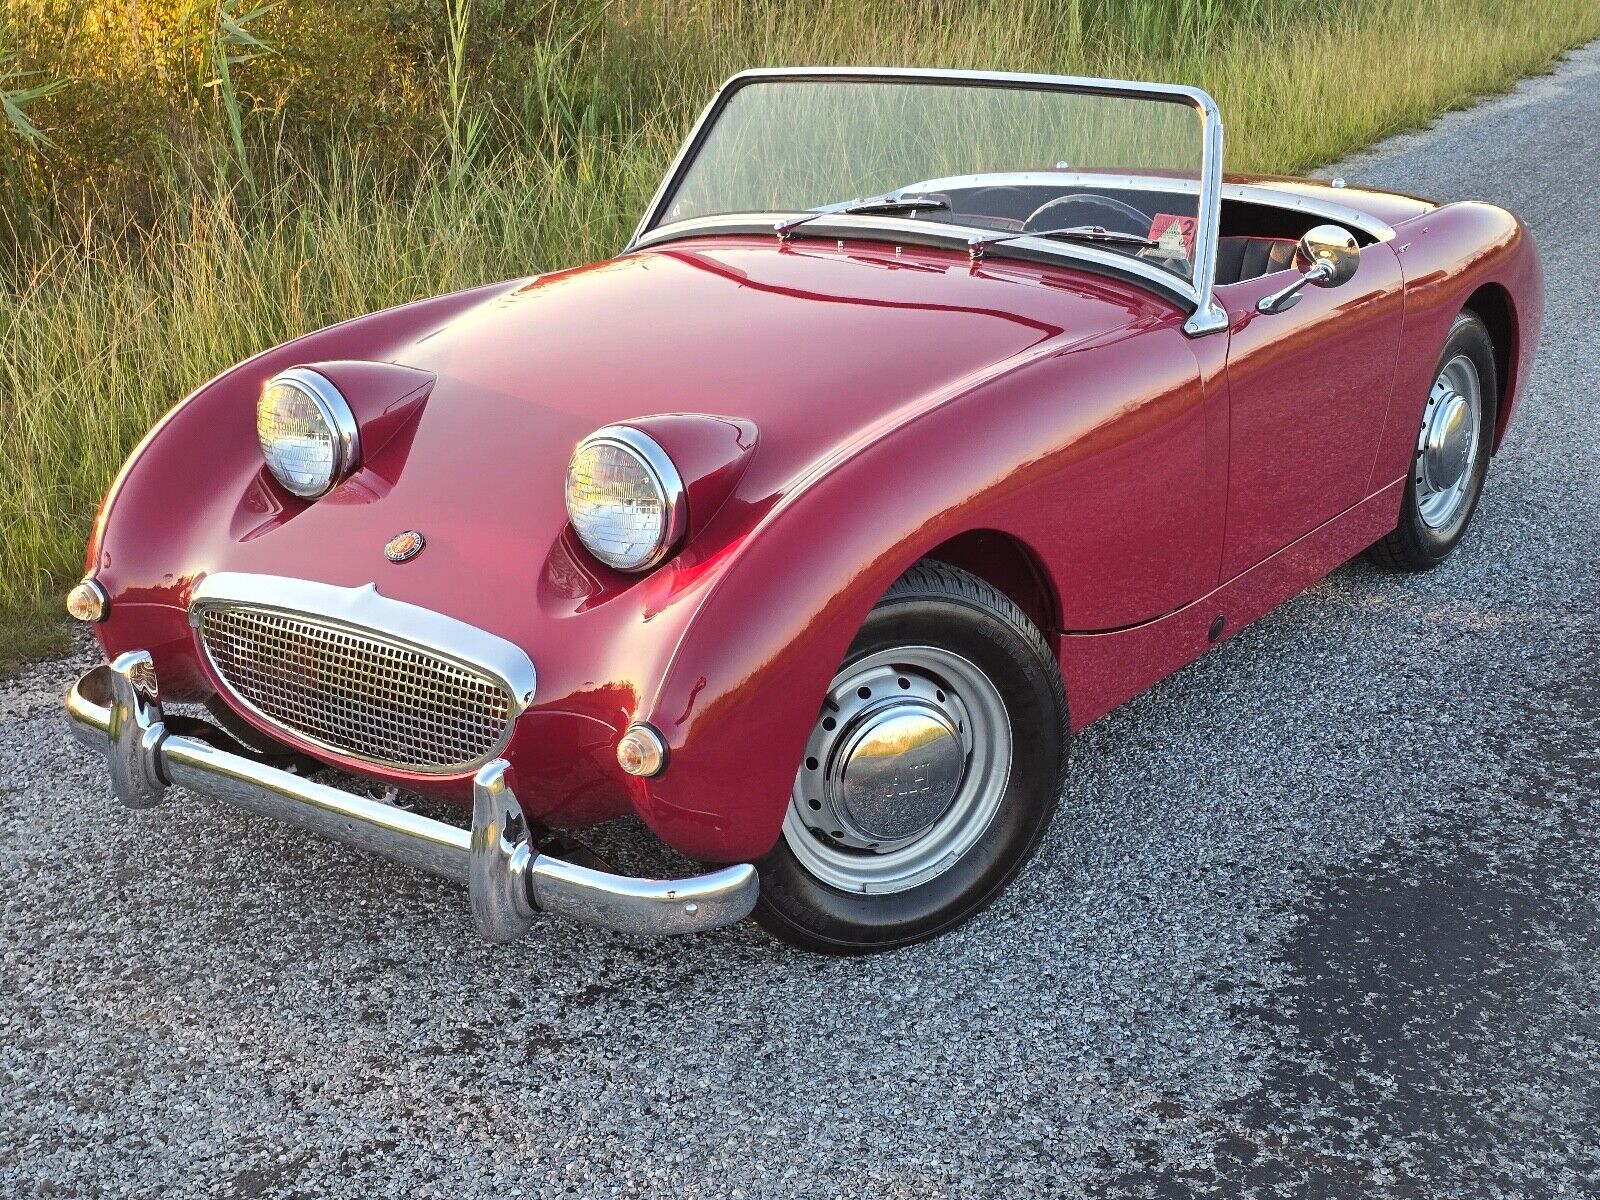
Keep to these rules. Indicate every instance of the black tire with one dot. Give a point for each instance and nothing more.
(1414, 545)
(934, 604)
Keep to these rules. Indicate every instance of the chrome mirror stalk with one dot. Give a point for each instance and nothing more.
(1328, 256)
(1286, 298)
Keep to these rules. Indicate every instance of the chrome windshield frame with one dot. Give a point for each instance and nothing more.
(1205, 315)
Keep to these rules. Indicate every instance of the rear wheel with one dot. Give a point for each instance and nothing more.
(1451, 458)
(930, 775)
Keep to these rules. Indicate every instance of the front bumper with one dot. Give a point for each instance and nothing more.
(117, 710)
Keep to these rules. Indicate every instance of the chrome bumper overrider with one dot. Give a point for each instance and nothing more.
(117, 710)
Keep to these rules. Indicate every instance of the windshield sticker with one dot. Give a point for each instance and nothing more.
(1173, 235)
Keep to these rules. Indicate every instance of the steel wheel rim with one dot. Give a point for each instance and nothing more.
(1447, 446)
(941, 691)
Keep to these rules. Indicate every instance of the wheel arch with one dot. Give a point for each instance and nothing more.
(1464, 255)
(755, 655)
(1009, 565)
(1492, 304)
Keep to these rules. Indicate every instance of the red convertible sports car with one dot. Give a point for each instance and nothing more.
(926, 417)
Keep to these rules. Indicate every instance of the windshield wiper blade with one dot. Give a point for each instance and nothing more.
(1097, 233)
(908, 204)
(1071, 233)
(877, 206)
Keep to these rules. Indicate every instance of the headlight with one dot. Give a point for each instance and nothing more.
(625, 498)
(307, 432)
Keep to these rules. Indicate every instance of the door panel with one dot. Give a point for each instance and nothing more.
(1308, 391)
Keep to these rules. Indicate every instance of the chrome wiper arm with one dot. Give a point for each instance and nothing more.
(878, 205)
(1071, 233)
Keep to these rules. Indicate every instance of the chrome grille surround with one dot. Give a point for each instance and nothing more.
(362, 691)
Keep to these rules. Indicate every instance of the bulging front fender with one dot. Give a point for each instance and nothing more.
(175, 488)
(743, 687)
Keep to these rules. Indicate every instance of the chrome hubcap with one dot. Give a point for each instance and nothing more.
(896, 774)
(1447, 448)
(904, 770)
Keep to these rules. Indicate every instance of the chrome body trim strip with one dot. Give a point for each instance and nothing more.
(1278, 197)
(1246, 193)
(115, 709)
(1206, 317)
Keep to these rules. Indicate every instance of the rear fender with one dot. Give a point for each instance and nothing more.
(1447, 256)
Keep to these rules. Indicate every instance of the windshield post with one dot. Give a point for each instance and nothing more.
(1208, 316)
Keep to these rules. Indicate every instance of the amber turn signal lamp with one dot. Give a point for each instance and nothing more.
(87, 602)
(642, 752)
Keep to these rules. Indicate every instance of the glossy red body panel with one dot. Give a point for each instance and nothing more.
(1448, 256)
(385, 398)
(838, 410)
(1102, 670)
(1308, 390)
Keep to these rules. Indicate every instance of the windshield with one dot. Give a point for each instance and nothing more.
(1006, 160)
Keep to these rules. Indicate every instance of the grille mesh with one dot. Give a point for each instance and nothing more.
(359, 695)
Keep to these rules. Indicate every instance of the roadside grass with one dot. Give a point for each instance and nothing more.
(28, 633)
(106, 319)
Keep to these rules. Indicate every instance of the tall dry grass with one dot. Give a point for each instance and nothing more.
(107, 319)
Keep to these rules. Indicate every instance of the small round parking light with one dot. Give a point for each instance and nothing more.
(87, 602)
(642, 752)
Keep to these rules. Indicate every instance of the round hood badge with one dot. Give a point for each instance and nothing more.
(403, 547)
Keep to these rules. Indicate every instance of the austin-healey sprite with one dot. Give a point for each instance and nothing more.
(926, 417)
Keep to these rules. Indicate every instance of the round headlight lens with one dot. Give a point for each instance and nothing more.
(307, 432)
(625, 498)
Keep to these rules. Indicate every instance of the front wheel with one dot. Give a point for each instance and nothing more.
(930, 775)
(1451, 458)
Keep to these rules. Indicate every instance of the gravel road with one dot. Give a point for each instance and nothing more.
(1321, 917)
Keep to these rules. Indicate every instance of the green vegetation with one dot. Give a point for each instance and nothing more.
(188, 181)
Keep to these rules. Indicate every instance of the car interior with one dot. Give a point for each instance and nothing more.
(1254, 239)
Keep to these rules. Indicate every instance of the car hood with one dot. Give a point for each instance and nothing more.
(819, 345)
(812, 344)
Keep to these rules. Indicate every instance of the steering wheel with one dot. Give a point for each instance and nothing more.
(1087, 208)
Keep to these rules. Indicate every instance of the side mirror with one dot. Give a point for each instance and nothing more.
(1327, 256)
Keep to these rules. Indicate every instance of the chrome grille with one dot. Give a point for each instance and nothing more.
(357, 693)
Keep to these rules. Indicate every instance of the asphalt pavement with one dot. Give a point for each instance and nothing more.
(1320, 916)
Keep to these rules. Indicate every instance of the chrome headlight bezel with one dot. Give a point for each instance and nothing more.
(657, 467)
(338, 419)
